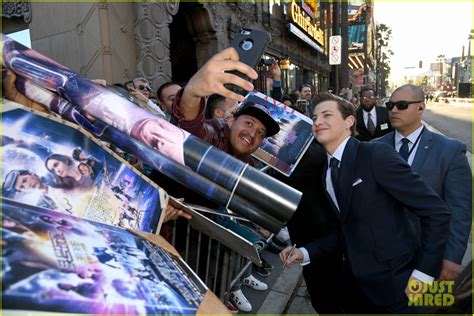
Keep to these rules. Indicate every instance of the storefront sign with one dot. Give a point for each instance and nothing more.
(299, 17)
(293, 29)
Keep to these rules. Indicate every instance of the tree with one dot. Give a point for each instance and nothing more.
(383, 34)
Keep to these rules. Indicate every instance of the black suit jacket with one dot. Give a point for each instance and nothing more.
(443, 165)
(311, 221)
(382, 118)
(374, 231)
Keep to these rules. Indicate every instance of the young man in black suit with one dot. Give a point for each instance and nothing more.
(370, 186)
(310, 221)
(372, 120)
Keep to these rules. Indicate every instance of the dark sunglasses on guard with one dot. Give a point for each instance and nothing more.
(401, 105)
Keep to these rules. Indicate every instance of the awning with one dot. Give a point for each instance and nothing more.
(356, 60)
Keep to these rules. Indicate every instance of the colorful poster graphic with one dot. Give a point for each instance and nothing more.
(53, 262)
(268, 202)
(54, 166)
(284, 150)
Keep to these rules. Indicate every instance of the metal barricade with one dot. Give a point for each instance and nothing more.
(217, 265)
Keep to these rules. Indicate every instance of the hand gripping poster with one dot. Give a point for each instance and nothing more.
(53, 262)
(50, 164)
(251, 193)
(284, 150)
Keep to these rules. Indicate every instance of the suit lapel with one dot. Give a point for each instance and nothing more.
(360, 121)
(346, 175)
(380, 118)
(423, 150)
(388, 139)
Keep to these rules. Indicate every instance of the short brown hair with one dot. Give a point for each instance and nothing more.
(345, 107)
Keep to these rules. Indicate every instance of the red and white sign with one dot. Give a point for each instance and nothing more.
(335, 50)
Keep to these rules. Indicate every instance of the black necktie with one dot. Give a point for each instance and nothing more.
(404, 149)
(370, 124)
(334, 164)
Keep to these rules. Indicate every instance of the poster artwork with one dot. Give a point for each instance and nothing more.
(54, 166)
(284, 150)
(53, 262)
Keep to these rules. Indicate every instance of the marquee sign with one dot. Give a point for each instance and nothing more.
(301, 18)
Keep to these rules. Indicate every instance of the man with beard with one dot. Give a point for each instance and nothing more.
(253, 122)
(372, 120)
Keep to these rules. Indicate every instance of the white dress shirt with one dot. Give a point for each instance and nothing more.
(373, 116)
(329, 186)
(338, 155)
(412, 138)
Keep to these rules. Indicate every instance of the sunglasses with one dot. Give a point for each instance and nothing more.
(401, 105)
(143, 87)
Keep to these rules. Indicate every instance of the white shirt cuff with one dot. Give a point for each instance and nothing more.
(423, 277)
(305, 256)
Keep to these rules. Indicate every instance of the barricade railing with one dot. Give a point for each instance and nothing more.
(217, 265)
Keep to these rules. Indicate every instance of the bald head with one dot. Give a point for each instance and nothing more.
(407, 119)
(415, 91)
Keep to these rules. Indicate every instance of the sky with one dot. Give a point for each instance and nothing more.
(424, 30)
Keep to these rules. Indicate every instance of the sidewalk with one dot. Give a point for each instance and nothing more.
(282, 283)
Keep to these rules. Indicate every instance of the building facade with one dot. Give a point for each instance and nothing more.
(164, 41)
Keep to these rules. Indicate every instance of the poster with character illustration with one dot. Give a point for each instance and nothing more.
(49, 163)
(54, 262)
(284, 150)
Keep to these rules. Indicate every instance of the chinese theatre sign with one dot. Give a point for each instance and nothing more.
(304, 21)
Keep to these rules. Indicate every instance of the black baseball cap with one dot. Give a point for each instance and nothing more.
(262, 114)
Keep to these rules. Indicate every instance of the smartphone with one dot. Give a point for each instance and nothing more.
(301, 106)
(129, 85)
(267, 61)
(250, 45)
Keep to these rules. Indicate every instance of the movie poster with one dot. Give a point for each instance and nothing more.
(284, 150)
(51, 165)
(53, 262)
(270, 203)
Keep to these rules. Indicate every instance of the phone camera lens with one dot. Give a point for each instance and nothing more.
(246, 45)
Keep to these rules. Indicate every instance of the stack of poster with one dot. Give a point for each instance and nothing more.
(241, 188)
(50, 164)
(53, 262)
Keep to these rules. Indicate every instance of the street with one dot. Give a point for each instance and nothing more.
(451, 120)
(455, 122)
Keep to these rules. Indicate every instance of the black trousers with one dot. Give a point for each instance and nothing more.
(354, 301)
